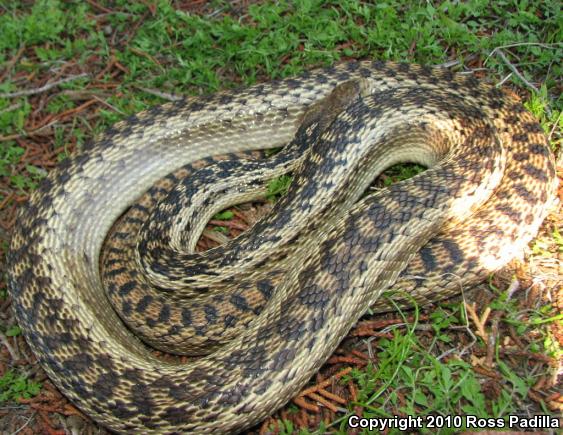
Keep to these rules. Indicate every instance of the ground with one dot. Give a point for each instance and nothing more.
(69, 70)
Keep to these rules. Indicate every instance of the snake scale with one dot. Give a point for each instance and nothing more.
(274, 303)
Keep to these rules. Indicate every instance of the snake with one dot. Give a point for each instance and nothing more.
(275, 302)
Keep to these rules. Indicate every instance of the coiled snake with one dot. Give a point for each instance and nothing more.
(275, 303)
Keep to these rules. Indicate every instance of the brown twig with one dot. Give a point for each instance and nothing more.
(10, 108)
(163, 95)
(515, 70)
(12, 62)
(100, 7)
(229, 224)
(326, 382)
(380, 324)
(360, 354)
(8, 346)
(353, 392)
(347, 360)
(515, 338)
(368, 332)
(44, 88)
(27, 133)
(301, 402)
(145, 55)
(479, 321)
(48, 425)
(332, 396)
(487, 372)
(319, 399)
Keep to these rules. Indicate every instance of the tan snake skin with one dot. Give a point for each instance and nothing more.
(288, 295)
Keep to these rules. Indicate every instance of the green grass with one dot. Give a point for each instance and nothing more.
(174, 52)
(401, 172)
(417, 378)
(225, 215)
(13, 331)
(14, 386)
(277, 187)
(25, 180)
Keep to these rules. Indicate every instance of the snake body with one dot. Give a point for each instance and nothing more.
(289, 295)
